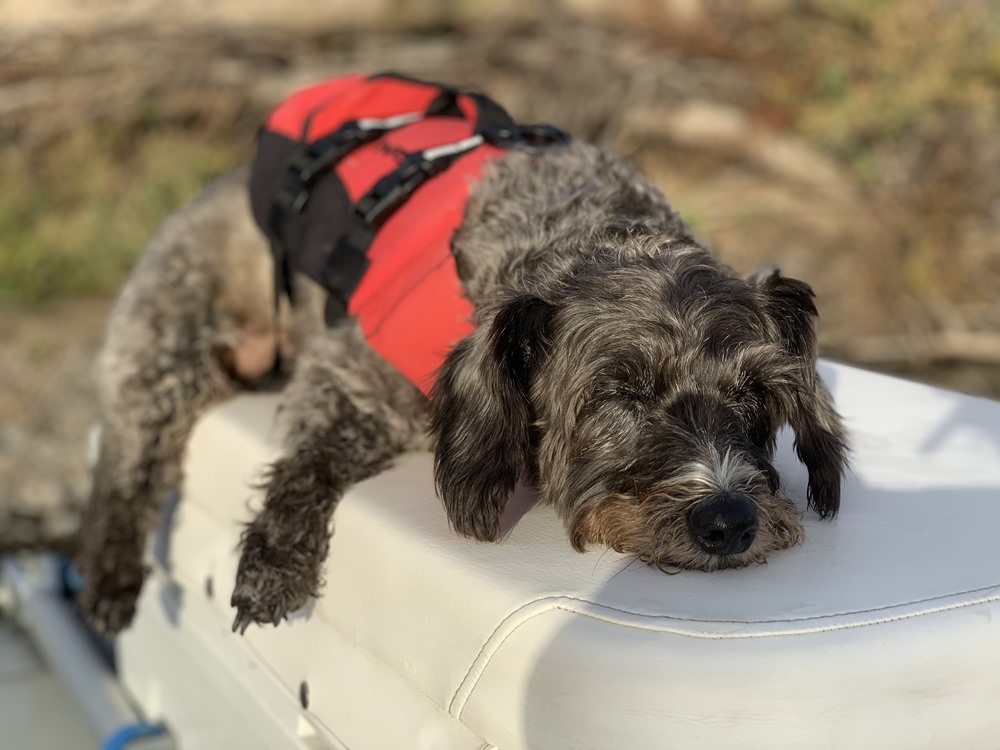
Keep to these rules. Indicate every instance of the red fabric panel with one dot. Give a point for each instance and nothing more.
(291, 115)
(316, 111)
(410, 303)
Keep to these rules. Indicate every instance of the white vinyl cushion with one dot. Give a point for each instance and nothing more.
(881, 630)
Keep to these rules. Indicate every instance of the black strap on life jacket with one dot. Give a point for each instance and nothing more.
(347, 263)
(312, 161)
(344, 264)
(302, 170)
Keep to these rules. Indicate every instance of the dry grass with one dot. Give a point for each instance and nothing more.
(105, 134)
(855, 142)
(74, 215)
(907, 93)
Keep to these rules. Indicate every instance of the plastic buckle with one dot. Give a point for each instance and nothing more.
(391, 191)
(316, 157)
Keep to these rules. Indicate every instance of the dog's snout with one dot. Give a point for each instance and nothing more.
(724, 525)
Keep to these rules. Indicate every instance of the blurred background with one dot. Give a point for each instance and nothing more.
(854, 143)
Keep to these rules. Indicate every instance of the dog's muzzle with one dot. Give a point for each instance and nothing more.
(724, 525)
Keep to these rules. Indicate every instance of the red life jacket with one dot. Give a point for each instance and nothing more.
(360, 183)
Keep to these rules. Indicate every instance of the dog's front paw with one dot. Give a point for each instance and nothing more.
(272, 580)
(107, 601)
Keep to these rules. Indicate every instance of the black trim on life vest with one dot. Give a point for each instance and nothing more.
(302, 204)
(297, 241)
(489, 114)
(307, 165)
(345, 266)
(348, 261)
(305, 169)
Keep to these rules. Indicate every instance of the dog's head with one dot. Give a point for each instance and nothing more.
(642, 395)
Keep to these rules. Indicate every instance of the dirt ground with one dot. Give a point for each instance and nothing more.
(46, 409)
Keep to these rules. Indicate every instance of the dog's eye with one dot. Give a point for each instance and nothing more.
(748, 395)
(624, 382)
(631, 391)
(749, 401)
(619, 392)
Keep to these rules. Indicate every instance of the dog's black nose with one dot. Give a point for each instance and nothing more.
(724, 525)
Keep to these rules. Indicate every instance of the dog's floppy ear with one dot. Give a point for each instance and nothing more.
(481, 414)
(819, 435)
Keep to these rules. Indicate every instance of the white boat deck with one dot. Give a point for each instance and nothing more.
(881, 630)
(36, 711)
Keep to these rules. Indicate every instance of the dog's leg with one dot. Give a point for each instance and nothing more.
(162, 366)
(142, 441)
(157, 373)
(346, 414)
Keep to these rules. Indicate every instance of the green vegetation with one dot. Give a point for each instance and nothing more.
(906, 93)
(75, 214)
(866, 73)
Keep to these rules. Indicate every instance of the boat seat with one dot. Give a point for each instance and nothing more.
(881, 630)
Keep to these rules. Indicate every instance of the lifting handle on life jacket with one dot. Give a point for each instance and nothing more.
(390, 192)
(314, 159)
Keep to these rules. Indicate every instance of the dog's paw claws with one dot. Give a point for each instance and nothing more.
(248, 611)
(242, 622)
(269, 584)
(109, 605)
(107, 618)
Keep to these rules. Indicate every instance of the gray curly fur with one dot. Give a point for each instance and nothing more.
(616, 364)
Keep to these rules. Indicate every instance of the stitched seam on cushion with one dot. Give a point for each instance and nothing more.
(566, 603)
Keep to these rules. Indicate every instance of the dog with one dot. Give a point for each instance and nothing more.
(614, 363)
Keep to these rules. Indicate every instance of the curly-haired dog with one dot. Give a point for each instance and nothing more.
(615, 364)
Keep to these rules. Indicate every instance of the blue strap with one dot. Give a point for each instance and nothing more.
(71, 579)
(121, 739)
